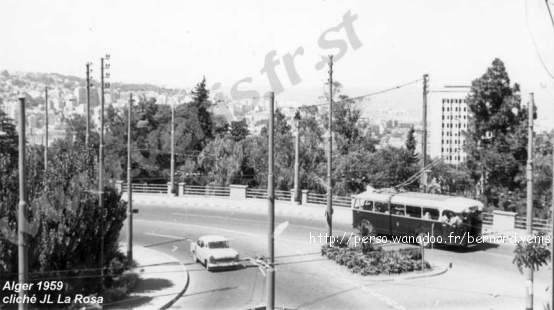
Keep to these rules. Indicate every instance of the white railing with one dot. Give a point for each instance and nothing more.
(313, 198)
(487, 218)
(146, 188)
(339, 201)
(259, 193)
(539, 224)
(218, 191)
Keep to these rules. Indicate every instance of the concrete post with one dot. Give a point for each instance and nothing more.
(237, 192)
(170, 188)
(503, 220)
(305, 196)
(181, 188)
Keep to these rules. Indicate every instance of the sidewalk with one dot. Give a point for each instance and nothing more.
(163, 279)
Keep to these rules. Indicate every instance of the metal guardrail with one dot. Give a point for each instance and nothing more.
(539, 224)
(256, 193)
(520, 222)
(338, 201)
(487, 218)
(262, 194)
(146, 188)
(218, 191)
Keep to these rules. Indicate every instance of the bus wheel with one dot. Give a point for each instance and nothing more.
(423, 240)
(366, 228)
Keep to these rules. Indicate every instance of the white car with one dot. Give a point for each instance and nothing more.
(214, 252)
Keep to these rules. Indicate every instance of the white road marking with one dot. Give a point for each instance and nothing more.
(280, 228)
(203, 227)
(229, 217)
(166, 236)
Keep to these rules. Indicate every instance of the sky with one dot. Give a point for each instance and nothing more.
(175, 43)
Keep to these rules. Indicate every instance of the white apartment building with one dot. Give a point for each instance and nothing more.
(448, 120)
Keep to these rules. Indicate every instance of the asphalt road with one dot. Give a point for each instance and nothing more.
(480, 278)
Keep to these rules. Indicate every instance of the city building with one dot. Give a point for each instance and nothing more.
(447, 121)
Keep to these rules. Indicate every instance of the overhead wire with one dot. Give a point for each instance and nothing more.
(539, 56)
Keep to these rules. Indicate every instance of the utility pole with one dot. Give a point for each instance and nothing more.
(529, 223)
(45, 128)
(271, 210)
(329, 210)
(129, 184)
(296, 119)
(101, 171)
(552, 232)
(172, 162)
(424, 134)
(21, 216)
(87, 134)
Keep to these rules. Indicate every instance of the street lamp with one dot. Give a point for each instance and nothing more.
(172, 160)
(129, 185)
(296, 121)
(140, 124)
(104, 65)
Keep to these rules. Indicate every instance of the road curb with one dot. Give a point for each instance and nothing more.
(180, 294)
(437, 271)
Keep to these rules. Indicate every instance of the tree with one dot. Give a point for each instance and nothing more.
(389, 167)
(63, 216)
(532, 253)
(449, 179)
(496, 137)
(411, 141)
(239, 130)
(221, 125)
(201, 101)
(76, 128)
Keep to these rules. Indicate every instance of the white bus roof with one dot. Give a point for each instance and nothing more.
(441, 202)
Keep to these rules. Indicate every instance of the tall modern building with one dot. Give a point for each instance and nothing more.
(449, 116)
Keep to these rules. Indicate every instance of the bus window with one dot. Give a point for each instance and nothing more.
(430, 214)
(381, 207)
(398, 209)
(413, 211)
(356, 204)
(367, 205)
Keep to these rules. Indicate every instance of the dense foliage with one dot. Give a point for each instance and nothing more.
(65, 225)
(496, 138)
(211, 151)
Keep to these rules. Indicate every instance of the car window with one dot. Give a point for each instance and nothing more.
(412, 211)
(430, 213)
(398, 209)
(367, 205)
(218, 245)
(381, 207)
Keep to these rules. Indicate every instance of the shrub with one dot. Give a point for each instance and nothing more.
(374, 262)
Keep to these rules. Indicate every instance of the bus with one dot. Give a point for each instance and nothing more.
(427, 218)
